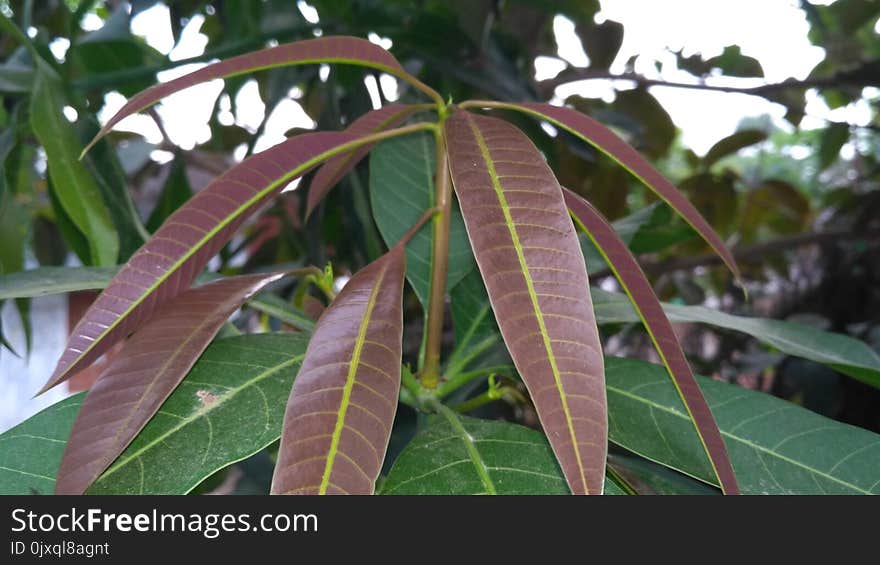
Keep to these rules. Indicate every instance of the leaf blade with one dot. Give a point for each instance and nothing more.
(176, 334)
(776, 447)
(647, 305)
(335, 169)
(338, 422)
(168, 263)
(338, 49)
(609, 143)
(537, 237)
(77, 192)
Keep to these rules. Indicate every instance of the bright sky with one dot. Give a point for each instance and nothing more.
(772, 31)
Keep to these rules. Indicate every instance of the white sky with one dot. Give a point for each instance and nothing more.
(772, 31)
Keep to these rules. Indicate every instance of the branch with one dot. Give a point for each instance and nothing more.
(867, 74)
(749, 253)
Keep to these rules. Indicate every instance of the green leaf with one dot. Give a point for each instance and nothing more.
(75, 188)
(734, 63)
(832, 139)
(129, 392)
(401, 189)
(45, 281)
(30, 452)
(228, 407)
(841, 352)
(455, 454)
(731, 144)
(775, 446)
(175, 193)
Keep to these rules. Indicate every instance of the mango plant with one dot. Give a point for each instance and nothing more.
(473, 218)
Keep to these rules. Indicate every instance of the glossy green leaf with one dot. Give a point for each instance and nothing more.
(340, 412)
(30, 452)
(647, 477)
(841, 352)
(401, 189)
(141, 376)
(335, 169)
(775, 446)
(75, 188)
(227, 408)
(458, 455)
(528, 254)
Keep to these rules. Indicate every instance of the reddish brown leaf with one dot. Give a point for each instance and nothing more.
(609, 143)
(338, 49)
(336, 168)
(145, 372)
(339, 415)
(168, 263)
(530, 260)
(636, 285)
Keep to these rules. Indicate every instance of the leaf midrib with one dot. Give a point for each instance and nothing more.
(520, 255)
(353, 366)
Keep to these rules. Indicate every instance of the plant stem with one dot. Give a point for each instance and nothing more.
(457, 381)
(430, 376)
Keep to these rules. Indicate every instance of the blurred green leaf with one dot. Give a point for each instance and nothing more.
(731, 144)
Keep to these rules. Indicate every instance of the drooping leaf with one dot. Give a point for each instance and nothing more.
(776, 447)
(335, 169)
(841, 352)
(45, 281)
(401, 189)
(337, 49)
(648, 307)
(76, 190)
(731, 144)
(609, 143)
(458, 455)
(177, 252)
(144, 373)
(340, 411)
(528, 253)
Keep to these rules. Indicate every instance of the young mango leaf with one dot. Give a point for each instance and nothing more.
(335, 169)
(458, 455)
(167, 264)
(609, 143)
(338, 49)
(528, 253)
(145, 372)
(646, 303)
(776, 447)
(401, 189)
(340, 411)
(75, 188)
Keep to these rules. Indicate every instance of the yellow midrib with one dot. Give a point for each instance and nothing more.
(496, 185)
(349, 383)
